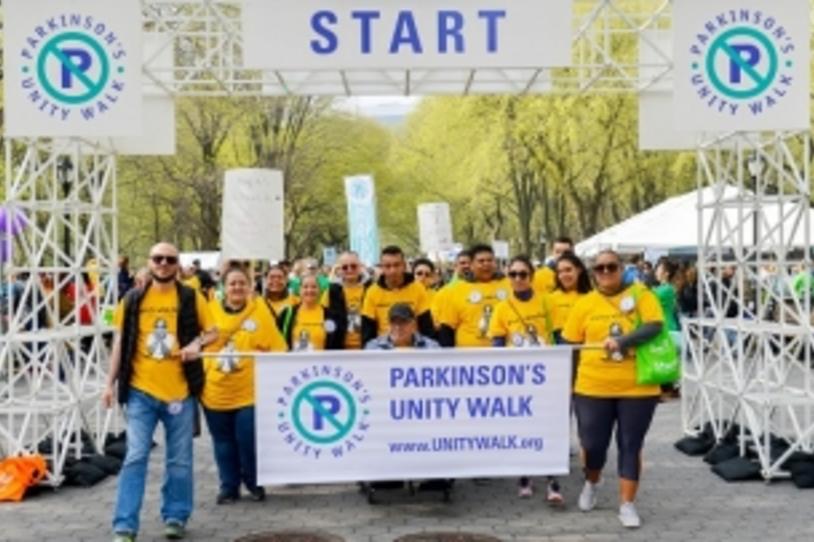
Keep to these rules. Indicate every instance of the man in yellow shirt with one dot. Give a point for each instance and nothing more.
(395, 285)
(345, 300)
(545, 279)
(156, 362)
(463, 263)
(467, 312)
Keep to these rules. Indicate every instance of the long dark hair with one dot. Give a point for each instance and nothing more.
(583, 280)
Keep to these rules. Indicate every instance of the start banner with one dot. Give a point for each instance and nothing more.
(361, 416)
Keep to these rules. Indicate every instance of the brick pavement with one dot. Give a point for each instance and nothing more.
(680, 500)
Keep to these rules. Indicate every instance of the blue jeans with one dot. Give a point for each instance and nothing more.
(143, 413)
(233, 439)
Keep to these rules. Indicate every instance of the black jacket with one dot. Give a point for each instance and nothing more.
(334, 340)
(336, 299)
(188, 330)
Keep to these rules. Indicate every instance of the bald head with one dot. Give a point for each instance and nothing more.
(163, 263)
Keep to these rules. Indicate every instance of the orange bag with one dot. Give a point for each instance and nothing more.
(17, 474)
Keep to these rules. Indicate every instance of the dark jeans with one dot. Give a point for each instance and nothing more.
(233, 438)
(596, 419)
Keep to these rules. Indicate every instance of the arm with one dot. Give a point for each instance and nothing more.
(638, 336)
(113, 374)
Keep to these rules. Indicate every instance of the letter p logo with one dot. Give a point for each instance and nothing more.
(325, 406)
(744, 55)
(70, 67)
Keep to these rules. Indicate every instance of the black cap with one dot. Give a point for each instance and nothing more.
(401, 311)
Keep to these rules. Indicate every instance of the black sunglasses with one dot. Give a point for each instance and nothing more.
(158, 259)
(522, 275)
(349, 267)
(608, 268)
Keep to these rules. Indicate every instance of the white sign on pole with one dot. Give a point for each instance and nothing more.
(72, 68)
(434, 227)
(357, 34)
(354, 416)
(741, 65)
(501, 249)
(252, 221)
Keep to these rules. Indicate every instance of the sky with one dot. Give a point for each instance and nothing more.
(379, 106)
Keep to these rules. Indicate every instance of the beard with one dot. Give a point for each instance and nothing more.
(162, 280)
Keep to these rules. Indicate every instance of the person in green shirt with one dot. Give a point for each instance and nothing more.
(666, 272)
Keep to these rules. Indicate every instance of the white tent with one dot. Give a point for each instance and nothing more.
(673, 224)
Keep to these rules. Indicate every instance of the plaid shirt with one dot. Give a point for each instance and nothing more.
(386, 343)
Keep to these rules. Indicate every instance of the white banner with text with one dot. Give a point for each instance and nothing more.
(741, 65)
(383, 34)
(412, 414)
(72, 68)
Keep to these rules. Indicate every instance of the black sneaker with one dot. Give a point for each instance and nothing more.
(226, 498)
(174, 530)
(257, 494)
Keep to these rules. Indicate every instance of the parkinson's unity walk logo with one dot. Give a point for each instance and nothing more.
(742, 62)
(73, 64)
(323, 412)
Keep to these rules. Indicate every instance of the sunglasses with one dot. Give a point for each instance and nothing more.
(606, 268)
(522, 275)
(350, 267)
(159, 259)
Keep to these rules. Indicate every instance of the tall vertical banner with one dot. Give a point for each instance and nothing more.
(434, 228)
(363, 226)
(72, 68)
(742, 65)
(252, 226)
(396, 415)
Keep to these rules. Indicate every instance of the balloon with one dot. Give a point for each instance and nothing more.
(5, 249)
(12, 221)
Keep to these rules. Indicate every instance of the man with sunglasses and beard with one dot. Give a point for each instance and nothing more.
(345, 300)
(155, 360)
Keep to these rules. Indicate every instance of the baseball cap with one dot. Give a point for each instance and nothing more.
(401, 311)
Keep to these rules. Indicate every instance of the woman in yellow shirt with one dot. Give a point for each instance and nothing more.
(572, 282)
(277, 295)
(309, 326)
(606, 394)
(523, 320)
(244, 324)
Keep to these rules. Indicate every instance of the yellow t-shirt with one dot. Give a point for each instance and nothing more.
(561, 304)
(308, 330)
(230, 380)
(439, 300)
(279, 306)
(379, 300)
(544, 280)
(470, 308)
(193, 282)
(354, 299)
(157, 368)
(521, 323)
(590, 322)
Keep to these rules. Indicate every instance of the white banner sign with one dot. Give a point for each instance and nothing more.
(363, 224)
(742, 64)
(252, 225)
(72, 68)
(357, 34)
(434, 227)
(355, 416)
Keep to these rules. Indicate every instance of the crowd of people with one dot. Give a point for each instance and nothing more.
(171, 317)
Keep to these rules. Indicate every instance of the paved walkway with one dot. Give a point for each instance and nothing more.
(680, 501)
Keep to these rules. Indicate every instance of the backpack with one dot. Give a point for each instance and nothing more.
(17, 474)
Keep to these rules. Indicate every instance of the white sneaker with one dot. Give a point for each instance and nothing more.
(587, 497)
(628, 516)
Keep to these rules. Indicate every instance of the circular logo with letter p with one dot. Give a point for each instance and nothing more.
(324, 412)
(73, 68)
(742, 63)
